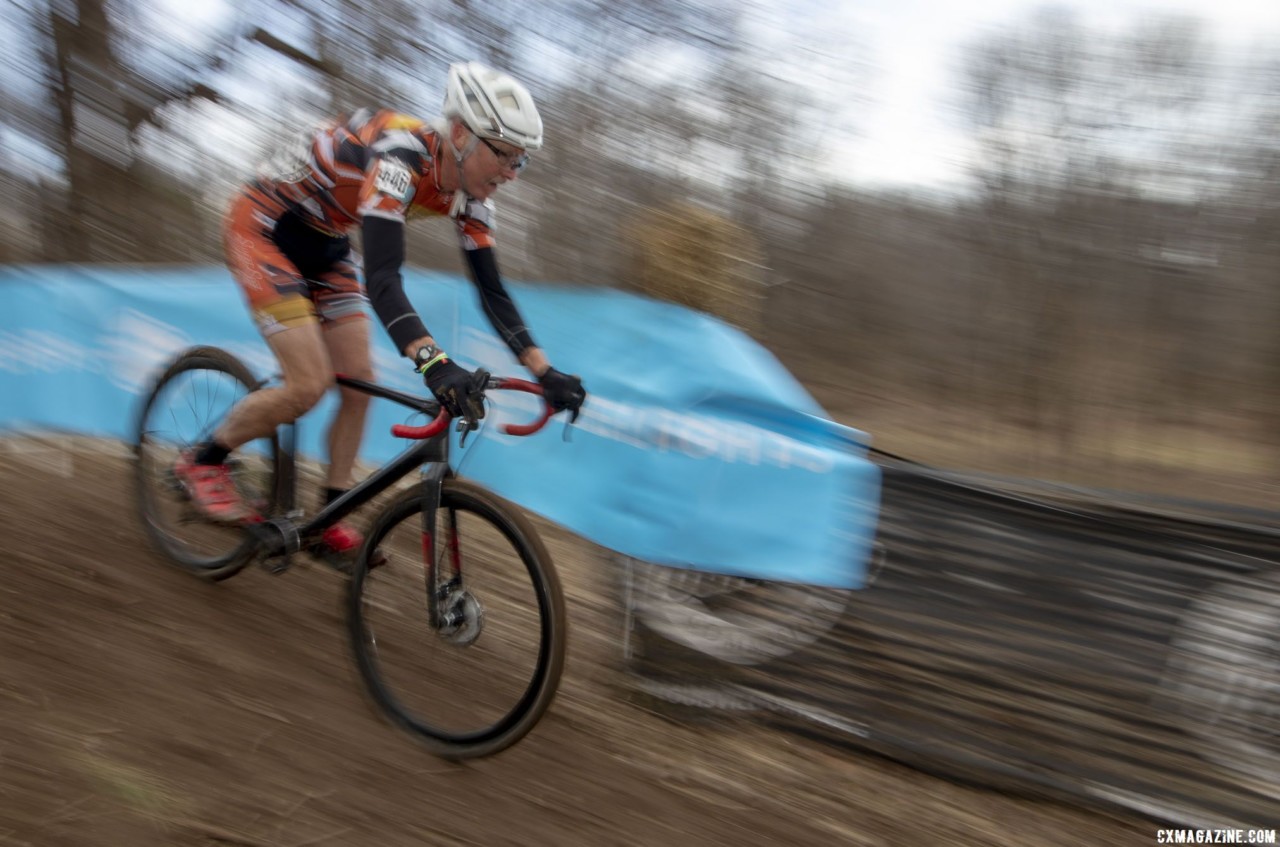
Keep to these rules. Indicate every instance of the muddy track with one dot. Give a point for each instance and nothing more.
(143, 707)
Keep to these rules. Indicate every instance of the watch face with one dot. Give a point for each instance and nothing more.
(428, 355)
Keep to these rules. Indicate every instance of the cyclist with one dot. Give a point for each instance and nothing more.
(287, 246)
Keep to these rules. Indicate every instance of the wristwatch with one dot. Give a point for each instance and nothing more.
(427, 356)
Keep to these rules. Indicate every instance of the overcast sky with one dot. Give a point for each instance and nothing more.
(910, 137)
(905, 109)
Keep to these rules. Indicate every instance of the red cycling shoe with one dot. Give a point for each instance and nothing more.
(341, 543)
(211, 490)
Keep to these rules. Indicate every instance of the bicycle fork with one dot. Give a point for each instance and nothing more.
(453, 611)
(436, 586)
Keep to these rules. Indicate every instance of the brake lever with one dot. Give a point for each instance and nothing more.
(466, 426)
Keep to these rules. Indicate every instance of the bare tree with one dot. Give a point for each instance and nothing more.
(1056, 111)
(99, 101)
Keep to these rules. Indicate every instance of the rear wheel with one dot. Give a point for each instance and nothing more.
(189, 400)
(477, 678)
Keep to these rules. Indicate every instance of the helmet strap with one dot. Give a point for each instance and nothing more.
(460, 156)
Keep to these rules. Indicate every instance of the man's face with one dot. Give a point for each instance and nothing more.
(490, 164)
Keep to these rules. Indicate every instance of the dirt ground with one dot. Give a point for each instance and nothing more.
(144, 707)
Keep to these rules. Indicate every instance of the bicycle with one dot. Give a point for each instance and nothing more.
(437, 561)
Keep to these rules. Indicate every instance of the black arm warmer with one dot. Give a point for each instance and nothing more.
(496, 302)
(383, 256)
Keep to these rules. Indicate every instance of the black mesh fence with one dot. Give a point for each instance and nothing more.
(1036, 639)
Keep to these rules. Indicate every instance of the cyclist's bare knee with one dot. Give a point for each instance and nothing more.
(308, 370)
(297, 397)
(352, 399)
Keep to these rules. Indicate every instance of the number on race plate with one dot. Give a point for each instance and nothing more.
(394, 179)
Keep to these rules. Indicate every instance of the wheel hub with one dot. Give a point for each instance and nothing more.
(461, 618)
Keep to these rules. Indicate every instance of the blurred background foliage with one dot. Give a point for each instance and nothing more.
(1099, 305)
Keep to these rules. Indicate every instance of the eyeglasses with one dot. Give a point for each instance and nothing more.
(515, 161)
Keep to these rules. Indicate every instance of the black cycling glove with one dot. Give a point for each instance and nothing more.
(459, 391)
(562, 391)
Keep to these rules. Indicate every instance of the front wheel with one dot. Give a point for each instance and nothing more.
(460, 633)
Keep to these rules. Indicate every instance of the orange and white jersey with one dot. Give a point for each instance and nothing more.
(382, 164)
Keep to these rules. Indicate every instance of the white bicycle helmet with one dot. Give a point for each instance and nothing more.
(492, 105)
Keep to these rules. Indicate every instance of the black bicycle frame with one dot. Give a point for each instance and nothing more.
(431, 454)
(280, 537)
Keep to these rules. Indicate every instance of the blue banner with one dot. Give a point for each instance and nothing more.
(695, 449)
